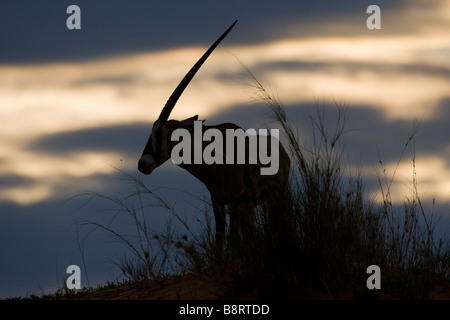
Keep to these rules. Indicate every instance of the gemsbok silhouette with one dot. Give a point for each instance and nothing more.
(236, 188)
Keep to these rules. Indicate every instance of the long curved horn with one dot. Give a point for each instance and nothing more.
(188, 77)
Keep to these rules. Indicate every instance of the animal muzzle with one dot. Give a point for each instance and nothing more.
(146, 164)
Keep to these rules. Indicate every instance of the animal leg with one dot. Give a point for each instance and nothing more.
(242, 223)
(219, 216)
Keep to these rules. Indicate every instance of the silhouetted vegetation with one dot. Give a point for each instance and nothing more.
(321, 231)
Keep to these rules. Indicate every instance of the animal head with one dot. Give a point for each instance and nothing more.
(157, 149)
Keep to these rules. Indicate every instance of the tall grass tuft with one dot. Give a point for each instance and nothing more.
(341, 231)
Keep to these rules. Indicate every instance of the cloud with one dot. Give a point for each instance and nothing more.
(125, 139)
(14, 180)
(350, 69)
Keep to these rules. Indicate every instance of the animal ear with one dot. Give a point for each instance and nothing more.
(189, 120)
(195, 118)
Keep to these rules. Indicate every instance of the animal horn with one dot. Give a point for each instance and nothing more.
(188, 77)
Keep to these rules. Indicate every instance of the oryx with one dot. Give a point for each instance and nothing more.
(235, 186)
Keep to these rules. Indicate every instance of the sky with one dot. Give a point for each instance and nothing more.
(77, 106)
